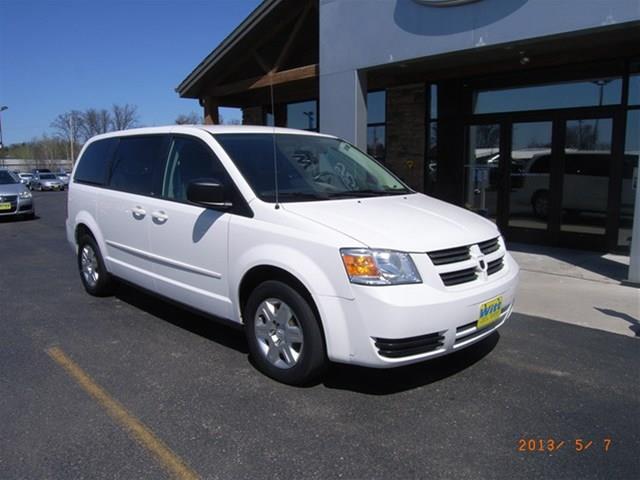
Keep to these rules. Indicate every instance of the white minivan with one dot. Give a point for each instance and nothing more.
(318, 250)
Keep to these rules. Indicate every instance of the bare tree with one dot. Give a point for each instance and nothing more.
(95, 122)
(124, 116)
(191, 119)
(67, 127)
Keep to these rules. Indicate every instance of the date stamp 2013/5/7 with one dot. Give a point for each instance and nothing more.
(579, 445)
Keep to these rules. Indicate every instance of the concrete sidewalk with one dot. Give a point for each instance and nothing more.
(577, 287)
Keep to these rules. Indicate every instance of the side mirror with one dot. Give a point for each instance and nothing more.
(208, 192)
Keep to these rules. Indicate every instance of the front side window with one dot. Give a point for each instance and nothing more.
(309, 167)
(134, 163)
(189, 159)
(94, 163)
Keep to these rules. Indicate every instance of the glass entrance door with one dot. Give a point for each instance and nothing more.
(586, 175)
(482, 172)
(530, 175)
(548, 180)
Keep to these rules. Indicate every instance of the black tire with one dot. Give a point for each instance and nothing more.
(312, 360)
(105, 283)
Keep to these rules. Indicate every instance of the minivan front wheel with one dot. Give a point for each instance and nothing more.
(95, 278)
(283, 333)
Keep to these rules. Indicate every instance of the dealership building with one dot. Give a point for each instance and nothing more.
(525, 111)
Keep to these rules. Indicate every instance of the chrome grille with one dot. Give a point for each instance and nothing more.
(450, 255)
(489, 246)
(494, 266)
(446, 261)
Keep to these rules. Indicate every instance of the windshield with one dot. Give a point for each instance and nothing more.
(7, 178)
(47, 176)
(309, 167)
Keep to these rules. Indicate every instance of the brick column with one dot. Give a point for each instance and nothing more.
(406, 133)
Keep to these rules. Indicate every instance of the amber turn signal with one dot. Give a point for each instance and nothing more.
(360, 265)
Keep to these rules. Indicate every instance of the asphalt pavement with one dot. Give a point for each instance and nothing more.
(188, 380)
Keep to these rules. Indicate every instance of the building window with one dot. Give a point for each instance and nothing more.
(586, 93)
(431, 160)
(376, 124)
(303, 115)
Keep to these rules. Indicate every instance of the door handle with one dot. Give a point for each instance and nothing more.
(159, 216)
(138, 212)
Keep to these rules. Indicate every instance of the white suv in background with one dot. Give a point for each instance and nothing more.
(336, 260)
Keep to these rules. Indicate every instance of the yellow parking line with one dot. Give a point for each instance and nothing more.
(143, 435)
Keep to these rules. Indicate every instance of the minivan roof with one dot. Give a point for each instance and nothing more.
(208, 128)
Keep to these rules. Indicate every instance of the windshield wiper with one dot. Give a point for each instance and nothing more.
(367, 193)
(300, 196)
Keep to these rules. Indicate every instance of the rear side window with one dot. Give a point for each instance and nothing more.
(189, 159)
(134, 163)
(93, 165)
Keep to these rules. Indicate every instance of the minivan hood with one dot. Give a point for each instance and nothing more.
(411, 223)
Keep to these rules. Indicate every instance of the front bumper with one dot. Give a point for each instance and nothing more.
(20, 206)
(433, 321)
(52, 186)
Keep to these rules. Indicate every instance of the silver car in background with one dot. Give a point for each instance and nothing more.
(15, 198)
(25, 179)
(46, 181)
(63, 176)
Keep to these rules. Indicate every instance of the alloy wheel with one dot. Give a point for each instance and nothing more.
(89, 265)
(278, 333)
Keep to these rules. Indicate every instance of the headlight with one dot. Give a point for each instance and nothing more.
(25, 195)
(379, 267)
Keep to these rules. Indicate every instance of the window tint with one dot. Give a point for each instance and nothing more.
(189, 159)
(92, 167)
(309, 167)
(134, 162)
(6, 178)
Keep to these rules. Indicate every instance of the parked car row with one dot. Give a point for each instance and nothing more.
(44, 179)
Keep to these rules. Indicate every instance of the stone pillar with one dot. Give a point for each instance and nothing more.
(406, 133)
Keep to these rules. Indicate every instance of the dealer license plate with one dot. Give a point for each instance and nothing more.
(489, 312)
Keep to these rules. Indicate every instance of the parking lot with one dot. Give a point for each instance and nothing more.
(187, 380)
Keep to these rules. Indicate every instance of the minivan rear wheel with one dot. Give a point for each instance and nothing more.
(95, 278)
(284, 335)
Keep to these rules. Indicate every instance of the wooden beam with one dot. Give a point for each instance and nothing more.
(292, 36)
(286, 76)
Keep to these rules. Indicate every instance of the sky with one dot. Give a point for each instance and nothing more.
(59, 55)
